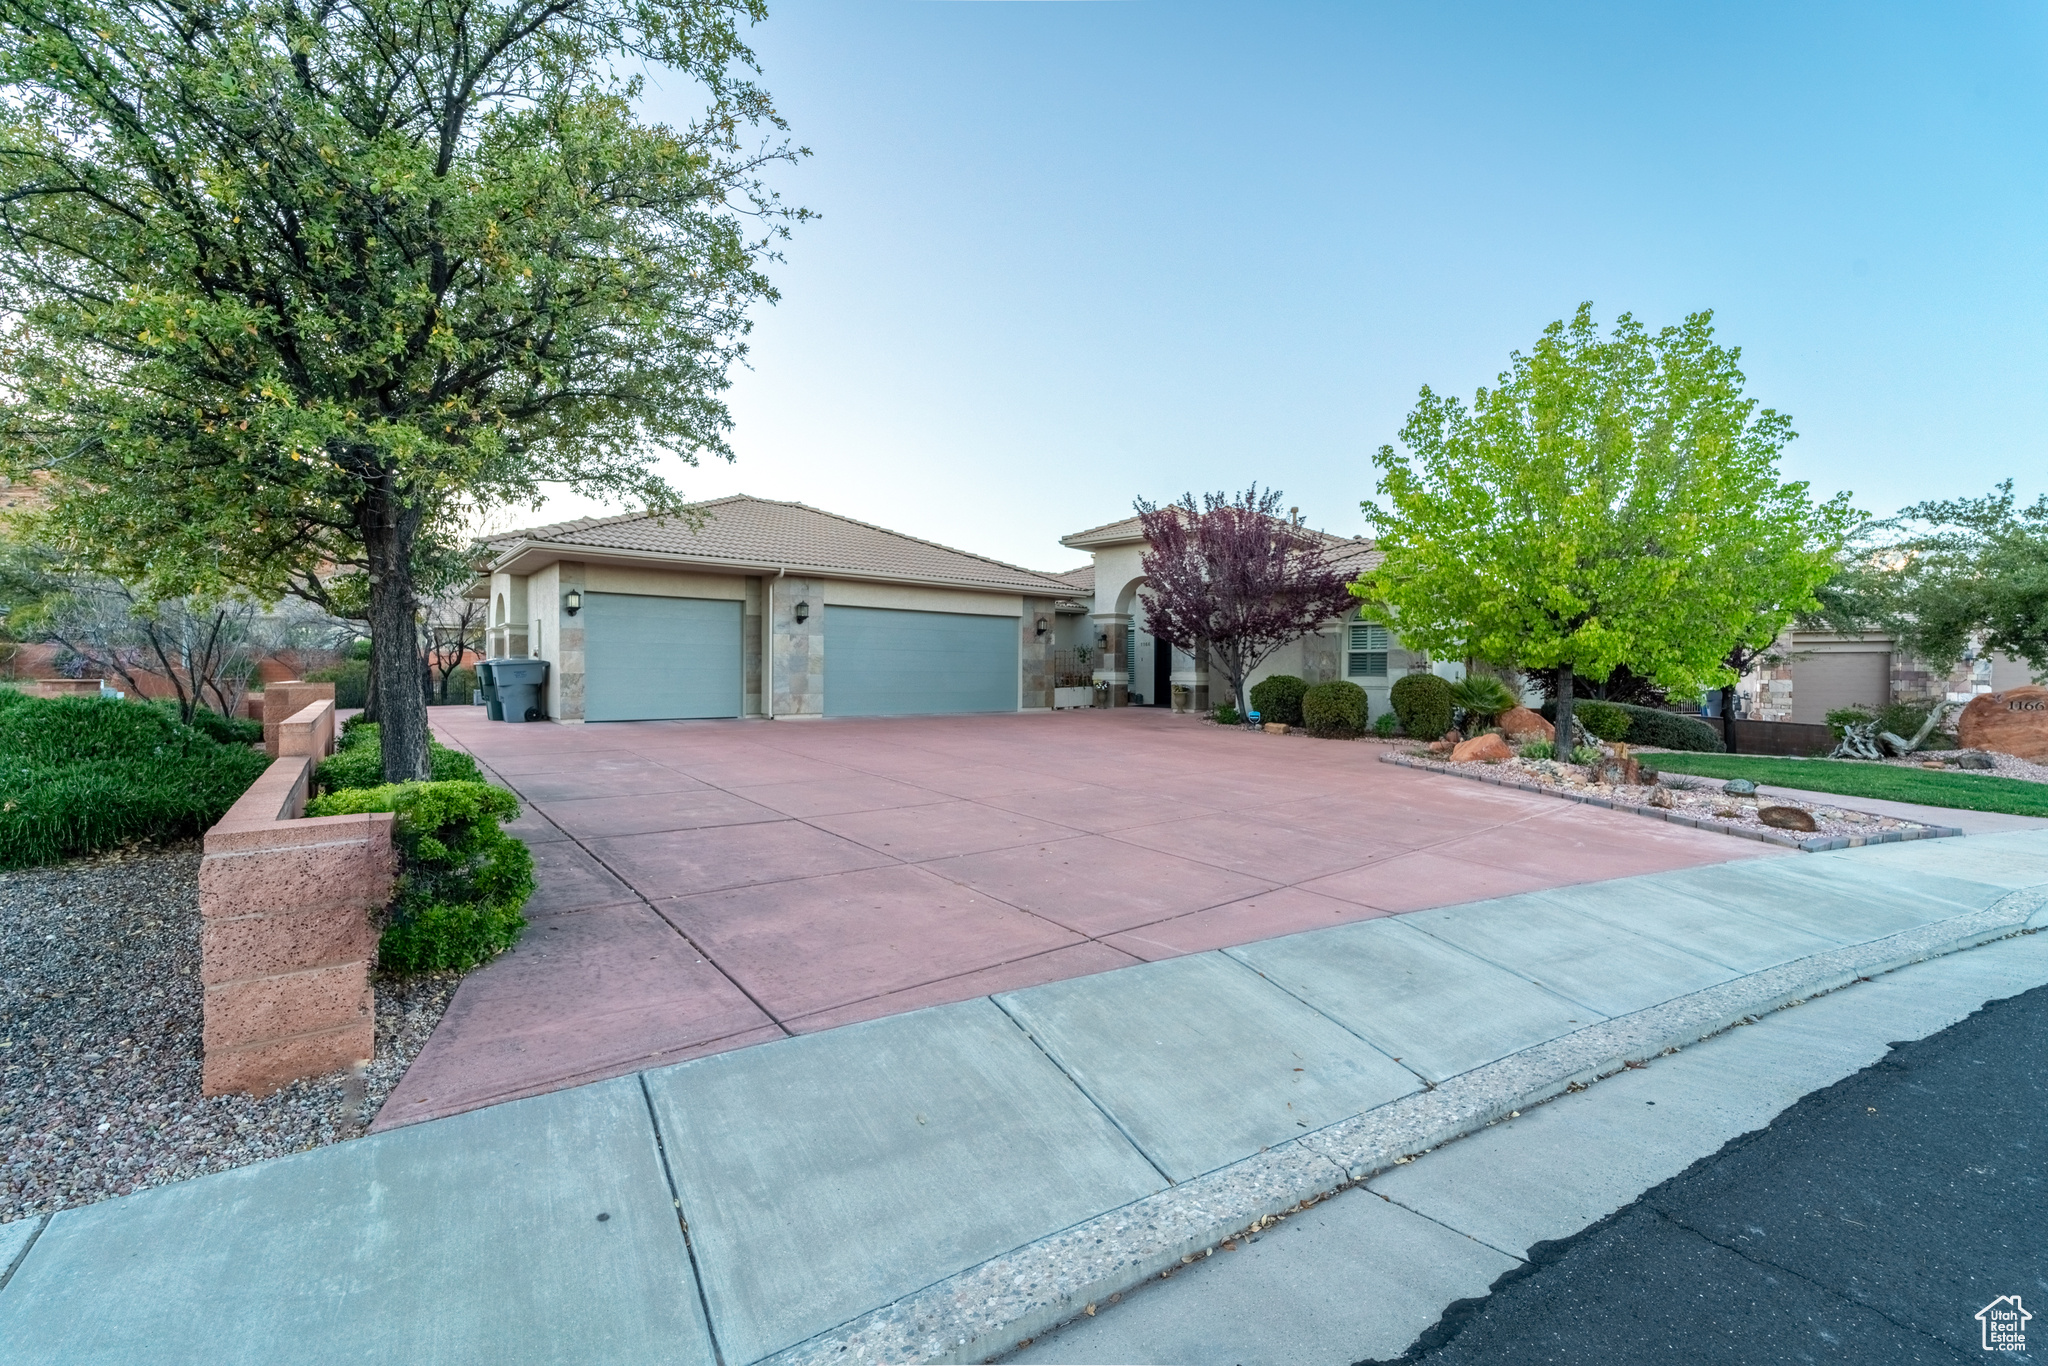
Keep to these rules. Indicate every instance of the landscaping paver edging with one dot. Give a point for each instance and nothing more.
(988, 1309)
(1825, 844)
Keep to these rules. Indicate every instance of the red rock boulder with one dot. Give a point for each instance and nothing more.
(1481, 748)
(2012, 722)
(1521, 726)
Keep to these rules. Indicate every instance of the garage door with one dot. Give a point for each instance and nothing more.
(887, 663)
(1828, 682)
(659, 659)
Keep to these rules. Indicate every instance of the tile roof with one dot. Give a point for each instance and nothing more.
(1082, 578)
(1355, 553)
(750, 532)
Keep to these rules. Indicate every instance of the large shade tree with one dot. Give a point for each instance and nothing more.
(1611, 500)
(1956, 574)
(1235, 576)
(291, 285)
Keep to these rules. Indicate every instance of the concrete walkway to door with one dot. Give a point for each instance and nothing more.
(708, 885)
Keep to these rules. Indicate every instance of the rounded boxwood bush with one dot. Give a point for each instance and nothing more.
(1669, 730)
(463, 880)
(1605, 719)
(1423, 702)
(1335, 710)
(1279, 699)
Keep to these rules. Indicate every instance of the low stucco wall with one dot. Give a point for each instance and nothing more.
(288, 911)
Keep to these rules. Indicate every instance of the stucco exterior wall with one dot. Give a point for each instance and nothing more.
(912, 598)
(664, 583)
(544, 631)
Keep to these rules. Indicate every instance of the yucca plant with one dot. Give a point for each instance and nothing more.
(1482, 697)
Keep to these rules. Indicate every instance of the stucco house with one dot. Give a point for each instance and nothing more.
(782, 610)
(1135, 668)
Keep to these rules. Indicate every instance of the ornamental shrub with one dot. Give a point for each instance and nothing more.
(79, 775)
(1604, 719)
(1278, 699)
(1386, 724)
(351, 680)
(1669, 730)
(1483, 697)
(359, 762)
(1539, 749)
(1423, 702)
(463, 880)
(1226, 715)
(1335, 710)
(224, 730)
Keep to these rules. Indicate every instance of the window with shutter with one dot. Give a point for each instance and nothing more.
(1367, 657)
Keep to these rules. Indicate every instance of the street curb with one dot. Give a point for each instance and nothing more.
(988, 1309)
(1812, 846)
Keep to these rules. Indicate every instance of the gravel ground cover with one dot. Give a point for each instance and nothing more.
(100, 1040)
(1697, 797)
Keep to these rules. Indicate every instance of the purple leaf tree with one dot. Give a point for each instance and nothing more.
(1234, 575)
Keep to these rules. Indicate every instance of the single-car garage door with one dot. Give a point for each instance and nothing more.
(1825, 682)
(880, 662)
(659, 659)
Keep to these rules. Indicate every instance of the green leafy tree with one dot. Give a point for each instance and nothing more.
(290, 287)
(1959, 573)
(1612, 500)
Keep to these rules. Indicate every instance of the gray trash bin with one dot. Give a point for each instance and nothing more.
(488, 690)
(519, 688)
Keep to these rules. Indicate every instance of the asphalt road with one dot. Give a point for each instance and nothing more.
(1870, 1223)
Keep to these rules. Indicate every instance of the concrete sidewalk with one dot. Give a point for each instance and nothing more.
(944, 1183)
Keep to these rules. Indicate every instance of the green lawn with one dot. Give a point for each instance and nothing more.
(1847, 778)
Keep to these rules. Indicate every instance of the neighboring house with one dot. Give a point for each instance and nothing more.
(1135, 668)
(1823, 671)
(769, 609)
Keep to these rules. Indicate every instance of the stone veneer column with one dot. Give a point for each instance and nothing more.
(1034, 654)
(569, 667)
(1195, 678)
(1112, 629)
(798, 647)
(750, 651)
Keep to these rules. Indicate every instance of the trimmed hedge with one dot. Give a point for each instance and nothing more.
(224, 730)
(1605, 719)
(359, 763)
(1278, 699)
(79, 775)
(1423, 702)
(463, 880)
(1335, 710)
(1657, 728)
(351, 680)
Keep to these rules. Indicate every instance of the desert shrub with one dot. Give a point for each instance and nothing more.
(1604, 719)
(1539, 749)
(1585, 754)
(359, 762)
(1483, 697)
(1669, 730)
(1335, 710)
(351, 680)
(1385, 725)
(1904, 720)
(1226, 715)
(1278, 699)
(82, 774)
(462, 879)
(1423, 702)
(1840, 719)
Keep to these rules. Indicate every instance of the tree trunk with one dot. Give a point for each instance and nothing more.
(1563, 736)
(1728, 717)
(389, 527)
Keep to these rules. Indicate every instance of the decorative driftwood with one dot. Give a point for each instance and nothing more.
(1862, 740)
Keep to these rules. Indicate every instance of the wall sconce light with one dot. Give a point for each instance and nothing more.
(1041, 626)
(803, 612)
(574, 601)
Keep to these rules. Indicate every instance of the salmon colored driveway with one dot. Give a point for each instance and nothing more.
(705, 885)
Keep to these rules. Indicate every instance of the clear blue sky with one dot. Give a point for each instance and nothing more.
(1074, 253)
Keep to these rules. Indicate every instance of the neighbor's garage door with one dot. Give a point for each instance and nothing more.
(657, 659)
(1828, 682)
(887, 663)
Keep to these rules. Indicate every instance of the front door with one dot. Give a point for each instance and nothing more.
(1162, 673)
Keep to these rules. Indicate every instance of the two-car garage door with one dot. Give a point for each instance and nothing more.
(655, 658)
(648, 658)
(882, 662)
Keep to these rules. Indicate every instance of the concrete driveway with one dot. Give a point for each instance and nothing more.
(709, 885)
